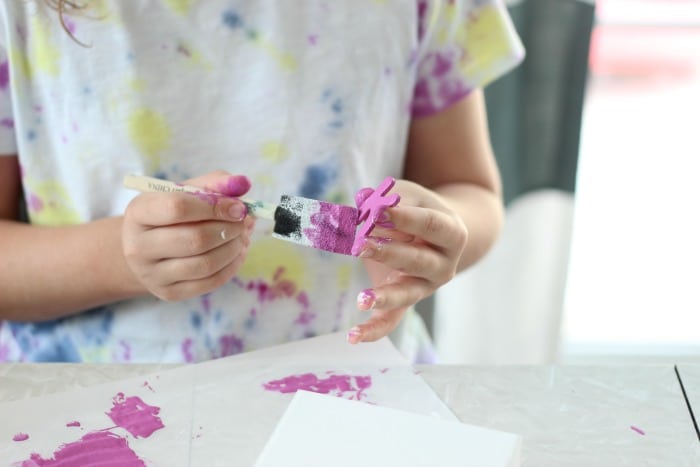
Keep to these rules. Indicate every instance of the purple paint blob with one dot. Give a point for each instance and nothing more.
(347, 386)
(73, 424)
(442, 65)
(135, 416)
(230, 345)
(333, 228)
(187, 350)
(20, 437)
(4, 75)
(93, 449)
(7, 123)
(34, 203)
(638, 430)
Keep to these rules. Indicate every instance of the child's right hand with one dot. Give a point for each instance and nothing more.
(182, 245)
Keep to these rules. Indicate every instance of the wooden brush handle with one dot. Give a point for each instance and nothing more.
(145, 184)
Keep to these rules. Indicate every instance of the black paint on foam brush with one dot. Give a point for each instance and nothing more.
(288, 218)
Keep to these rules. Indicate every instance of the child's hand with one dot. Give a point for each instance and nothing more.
(408, 257)
(181, 245)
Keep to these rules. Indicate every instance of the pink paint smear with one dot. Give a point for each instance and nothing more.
(103, 447)
(20, 437)
(94, 449)
(135, 416)
(638, 430)
(347, 386)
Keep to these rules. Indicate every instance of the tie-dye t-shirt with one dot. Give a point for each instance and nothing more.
(309, 98)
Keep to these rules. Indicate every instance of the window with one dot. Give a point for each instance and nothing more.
(634, 281)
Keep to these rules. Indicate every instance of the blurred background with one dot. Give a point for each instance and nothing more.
(597, 139)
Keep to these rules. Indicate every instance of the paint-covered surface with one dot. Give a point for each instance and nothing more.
(107, 446)
(215, 413)
(340, 385)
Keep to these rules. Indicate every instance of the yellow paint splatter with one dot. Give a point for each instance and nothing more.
(274, 151)
(20, 62)
(44, 56)
(194, 57)
(344, 276)
(56, 206)
(286, 60)
(487, 38)
(136, 84)
(181, 7)
(267, 255)
(263, 179)
(150, 133)
(94, 354)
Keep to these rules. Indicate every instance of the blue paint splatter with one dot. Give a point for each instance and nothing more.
(231, 19)
(31, 135)
(196, 320)
(337, 105)
(317, 180)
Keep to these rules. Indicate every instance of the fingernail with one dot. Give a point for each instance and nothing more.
(381, 241)
(385, 225)
(384, 218)
(367, 252)
(354, 335)
(237, 211)
(366, 299)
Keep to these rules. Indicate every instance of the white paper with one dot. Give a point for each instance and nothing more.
(319, 431)
(219, 412)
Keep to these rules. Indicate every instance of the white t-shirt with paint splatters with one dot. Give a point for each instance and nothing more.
(306, 98)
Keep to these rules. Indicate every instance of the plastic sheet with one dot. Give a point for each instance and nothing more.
(215, 413)
(577, 415)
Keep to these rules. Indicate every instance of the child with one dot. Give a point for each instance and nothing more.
(311, 98)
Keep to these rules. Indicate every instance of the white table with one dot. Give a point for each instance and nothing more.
(568, 415)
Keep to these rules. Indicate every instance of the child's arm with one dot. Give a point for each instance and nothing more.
(48, 272)
(450, 214)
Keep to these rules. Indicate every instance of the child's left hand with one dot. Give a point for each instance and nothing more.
(408, 257)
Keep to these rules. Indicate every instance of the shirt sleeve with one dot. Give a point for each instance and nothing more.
(8, 143)
(463, 45)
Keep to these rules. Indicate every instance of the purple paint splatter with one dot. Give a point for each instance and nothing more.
(4, 75)
(638, 430)
(135, 416)
(347, 386)
(20, 437)
(230, 345)
(92, 449)
(187, 350)
(105, 447)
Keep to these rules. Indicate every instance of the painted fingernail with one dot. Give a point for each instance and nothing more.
(354, 335)
(237, 211)
(366, 299)
(381, 241)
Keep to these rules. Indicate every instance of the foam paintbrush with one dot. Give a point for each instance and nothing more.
(318, 224)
